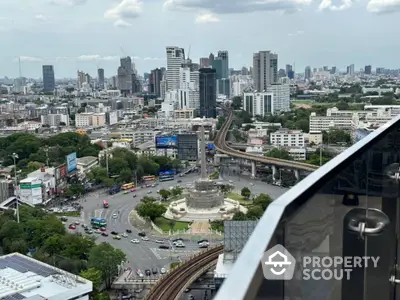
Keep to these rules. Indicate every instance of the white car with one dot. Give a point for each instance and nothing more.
(180, 245)
(159, 241)
(163, 271)
(77, 222)
(135, 241)
(98, 231)
(124, 235)
(145, 238)
(115, 216)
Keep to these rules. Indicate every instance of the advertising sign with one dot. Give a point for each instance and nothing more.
(210, 147)
(63, 171)
(71, 162)
(164, 173)
(167, 142)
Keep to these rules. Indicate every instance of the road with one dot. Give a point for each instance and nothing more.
(147, 255)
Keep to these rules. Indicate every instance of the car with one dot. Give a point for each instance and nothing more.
(187, 290)
(129, 231)
(177, 240)
(103, 229)
(77, 222)
(149, 192)
(115, 216)
(135, 241)
(142, 233)
(116, 237)
(159, 241)
(191, 297)
(164, 247)
(252, 184)
(90, 231)
(180, 245)
(114, 232)
(72, 226)
(145, 238)
(154, 271)
(134, 195)
(202, 241)
(104, 234)
(138, 271)
(163, 271)
(133, 190)
(179, 181)
(147, 272)
(64, 219)
(203, 245)
(84, 226)
(98, 231)
(124, 235)
(148, 185)
(95, 227)
(126, 192)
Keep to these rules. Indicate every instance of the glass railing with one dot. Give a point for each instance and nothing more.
(348, 209)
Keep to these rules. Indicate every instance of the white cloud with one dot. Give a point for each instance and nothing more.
(123, 11)
(41, 17)
(298, 32)
(29, 59)
(328, 5)
(96, 57)
(383, 6)
(150, 58)
(236, 6)
(207, 18)
(68, 2)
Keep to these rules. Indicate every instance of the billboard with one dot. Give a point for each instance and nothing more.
(167, 173)
(210, 147)
(71, 162)
(167, 142)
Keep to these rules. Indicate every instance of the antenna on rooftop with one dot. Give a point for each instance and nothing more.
(188, 56)
(122, 51)
(19, 66)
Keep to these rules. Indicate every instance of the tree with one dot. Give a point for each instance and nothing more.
(106, 259)
(164, 194)
(245, 192)
(151, 210)
(262, 200)
(239, 216)
(98, 174)
(336, 136)
(125, 175)
(236, 102)
(117, 164)
(75, 189)
(255, 212)
(278, 153)
(95, 276)
(177, 191)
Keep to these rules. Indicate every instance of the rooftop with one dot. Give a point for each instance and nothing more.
(87, 160)
(22, 277)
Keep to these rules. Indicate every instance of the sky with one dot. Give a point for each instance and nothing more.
(86, 34)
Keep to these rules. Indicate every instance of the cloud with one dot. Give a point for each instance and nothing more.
(298, 32)
(96, 57)
(207, 18)
(328, 5)
(29, 59)
(382, 7)
(149, 58)
(236, 6)
(41, 17)
(68, 2)
(123, 11)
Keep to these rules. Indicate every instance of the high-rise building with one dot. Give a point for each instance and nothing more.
(175, 59)
(49, 81)
(125, 71)
(80, 78)
(100, 78)
(155, 81)
(265, 69)
(288, 69)
(208, 93)
(333, 70)
(350, 70)
(368, 70)
(224, 57)
(307, 72)
(204, 62)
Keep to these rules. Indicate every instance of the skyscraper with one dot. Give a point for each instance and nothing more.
(224, 57)
(367, 70)
(265, 69)
(49, 81)
(155, 81)
(307, 73)
(100, 78)
(125, 71)
(208, 93)
(175, 59)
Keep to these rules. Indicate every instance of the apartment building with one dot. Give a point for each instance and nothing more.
(315, 137)
(260, 104)
(55, 119)
(90, 120)
(287, 138)
(281, 97)
(140, 136)
(325, 123)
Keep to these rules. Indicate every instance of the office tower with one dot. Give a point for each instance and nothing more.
(155, 82)
(350, 70)
(288, 69)
(281, 73)
(210, 58)
(325, 68)
(204, 62)
(333, 70)
(80, 78)
(367, 70)
(290, 74)
(175, 59)
(307, 72)
(49, 81)
(265, 69)
(124, 73)
(208, 93)
(224, 57)
(100, 78)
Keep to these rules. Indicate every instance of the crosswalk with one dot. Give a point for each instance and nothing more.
(155, 252)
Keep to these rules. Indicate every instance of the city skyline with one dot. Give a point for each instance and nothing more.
(63, 34)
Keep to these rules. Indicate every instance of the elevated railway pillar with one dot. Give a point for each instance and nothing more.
(273, 167)
(297, 174)
(253, 169)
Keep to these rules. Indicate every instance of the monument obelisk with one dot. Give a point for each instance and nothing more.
(203, 160)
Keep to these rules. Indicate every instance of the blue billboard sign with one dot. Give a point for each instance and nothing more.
(71, 162)
(167, 142)
(210, 147)
(167, 173)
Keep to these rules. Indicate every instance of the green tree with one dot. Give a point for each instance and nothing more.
(164, 194)
(278, 153)
(177, 191)
(239, 216)
(102, 296)
(236, 102)
(246, 192)
(336, 136)
(97, 174)
(262, 200)
(125, 175)
(116, 165)
(95, 276)
(106, 259)
(75, 189)
(151, 210)
(254, 213)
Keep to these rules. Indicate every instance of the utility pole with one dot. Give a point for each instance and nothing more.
(108, 175)
(15, 157)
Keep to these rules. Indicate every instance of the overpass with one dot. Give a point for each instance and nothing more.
(222, 146)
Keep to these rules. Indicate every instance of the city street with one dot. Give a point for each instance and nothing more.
(147, 255)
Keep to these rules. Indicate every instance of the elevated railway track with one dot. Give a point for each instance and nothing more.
(222, 146)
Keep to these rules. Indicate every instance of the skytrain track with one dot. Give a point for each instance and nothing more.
(171, 286)
(222, 146)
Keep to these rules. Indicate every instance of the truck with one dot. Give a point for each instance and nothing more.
(114, 190)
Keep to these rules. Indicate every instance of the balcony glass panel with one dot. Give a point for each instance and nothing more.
(347, 208)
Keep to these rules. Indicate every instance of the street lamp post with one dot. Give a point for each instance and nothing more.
(15, 157)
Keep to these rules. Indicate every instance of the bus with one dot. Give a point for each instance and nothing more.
(105, 203)
(149, 178)
(166, 178)
(128, 186)
(99, 222)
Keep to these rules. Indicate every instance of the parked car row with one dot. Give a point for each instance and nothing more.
(149, 272)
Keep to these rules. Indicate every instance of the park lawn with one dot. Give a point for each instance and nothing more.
(239, 198)
(163, 223)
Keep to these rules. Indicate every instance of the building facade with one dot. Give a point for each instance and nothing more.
(208, 93)
(265, 70)
(287, 138)
(259, 104)
(49, 81)
(175, 59)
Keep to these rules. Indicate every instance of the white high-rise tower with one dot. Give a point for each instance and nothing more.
(175, 59)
